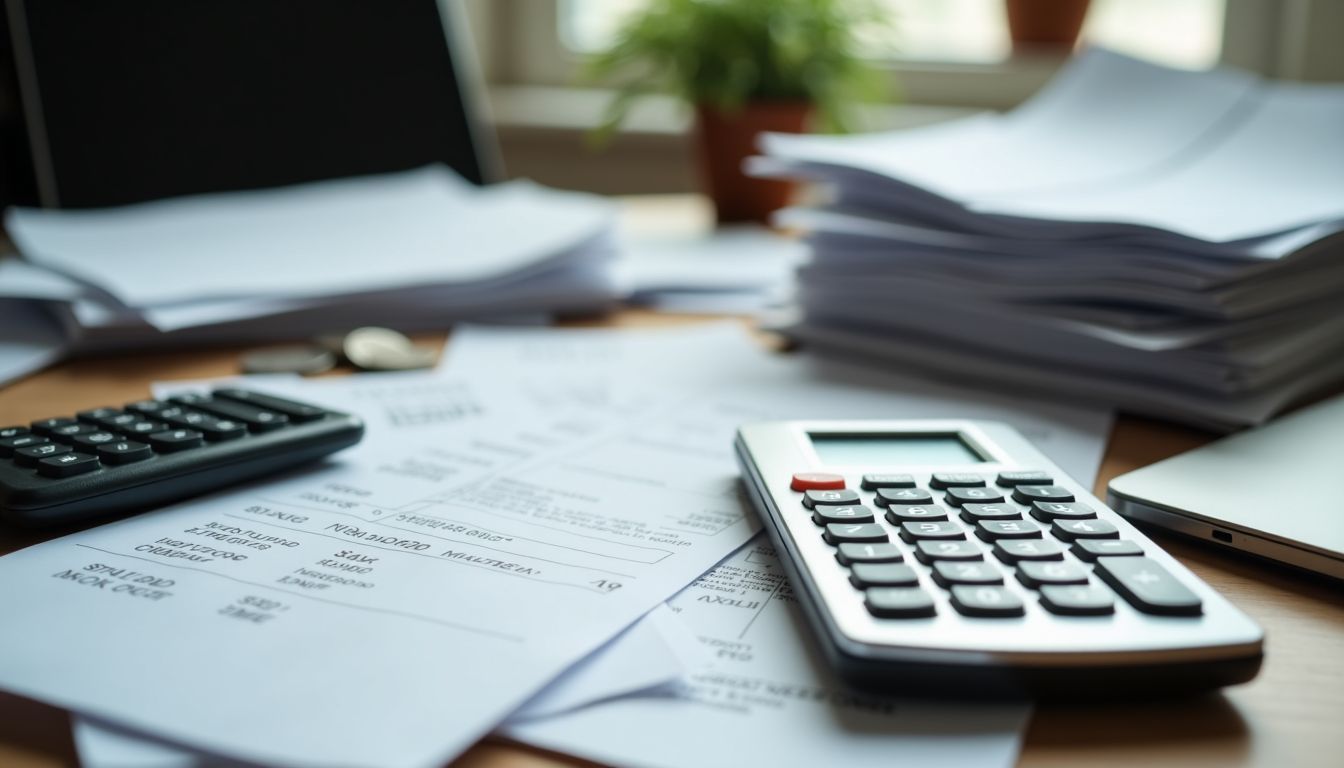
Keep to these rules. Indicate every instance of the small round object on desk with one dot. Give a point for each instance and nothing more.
(382, 349)
(306, 360)
(817, 481)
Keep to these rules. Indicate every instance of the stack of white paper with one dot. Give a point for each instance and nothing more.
(411, 250)
(1169, 241)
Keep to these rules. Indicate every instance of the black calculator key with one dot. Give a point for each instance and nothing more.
(124, 452)
(837, 533)
(994, 530)
(213, 428)
(904, 513)
(28, 457)
(1069, 530)
(68, 432)
(256, 419)
(873, 482)
(1026, 494)
(1077, 600)
(889, 496)
(814, 499)
(957, 496)
(1013, 478)
(928, 552)
(974, 513)
(117, 421)
(825, 515)
(944, 480)
(1019, 550)
(1148, 586)
(11, 444)
(1045, 511)
(67, 465)
(947, 573)
(1091, 549)
(175, 440)
(299, 413)
(149, 408)
(45, 426)
(849, 554)
(90, 442)
(1033, 573)
(865, 575)
(987, 601)
(913, 532)
(8, 432)
(94, 415)
(142, 428)
(899, 603)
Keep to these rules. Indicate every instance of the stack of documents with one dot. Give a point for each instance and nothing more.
(1163, 240)
(412, 250)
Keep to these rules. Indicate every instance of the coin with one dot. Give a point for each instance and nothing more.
(306, 360)
(382, 349)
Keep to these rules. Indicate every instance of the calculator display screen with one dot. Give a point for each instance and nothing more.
(892, 450)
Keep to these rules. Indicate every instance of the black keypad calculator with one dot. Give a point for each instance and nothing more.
(952, 558)
(109, 461)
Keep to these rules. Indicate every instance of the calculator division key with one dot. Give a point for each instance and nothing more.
(1014, 478)
(1148, 586)
(837, 533)
(851, 553)
(918, 531)
(816, 481)
(1014, 551)
(1090, 549)
(957, 496)
(67, 465)
(899, 603)
(987, 601)
(873, 482)
(9, 445)
(814, 499)
(993, 530)
(865, 575)
(929, 552)
(1045, 511)
(1026, 494)
(174, 440)
(974, 513)
(299, 413)
(1077, 600)
(948, 573)
(28, 457)
(8, 432)
(1069, 530)
(124, 452)
(256, 419)
(904, 513)
(945, 480)
(825, 515)
(1034, 573)
(889, 496)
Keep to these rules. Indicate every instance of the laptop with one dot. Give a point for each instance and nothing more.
(128, 102)
(1266, 492)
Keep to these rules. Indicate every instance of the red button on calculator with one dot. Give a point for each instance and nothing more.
(817, 481)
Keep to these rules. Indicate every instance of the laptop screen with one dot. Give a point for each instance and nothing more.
(134, 101)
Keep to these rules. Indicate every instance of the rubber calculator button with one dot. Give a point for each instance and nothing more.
(1017, 550)
(1035, 573)
(814, 499)
(1045, 511)
(958, 496)
(11, 444)
(913, 532)
(256, 419)
(299, 413)
(873, 482)
(928, 552)
(849, 554)
(142, 428)
(994, 530)
(45, 426)
(1148, 586)
(837, 533)
(150, 408)
(817, 481)
(904, 513)
(176, 440)
(865, 575)
(124, 452)
(68, 432)
(947, 573)
(1069, 530)
(1026, 494)
(889, 496)
(974, 513)
(899, 603)
(825, 515)
(1090, 600)
(93, 440)
(944, 480)
(1091, 549)
(117, 421)
(67, 464)
(987, 601)
(8, 432)
(1024, 477)
(28, 457)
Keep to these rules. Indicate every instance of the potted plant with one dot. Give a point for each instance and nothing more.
(745, 66)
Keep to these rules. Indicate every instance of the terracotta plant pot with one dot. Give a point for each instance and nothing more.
(1050, 24)
(725, 139)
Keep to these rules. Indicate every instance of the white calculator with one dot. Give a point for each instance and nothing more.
(952, 558)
